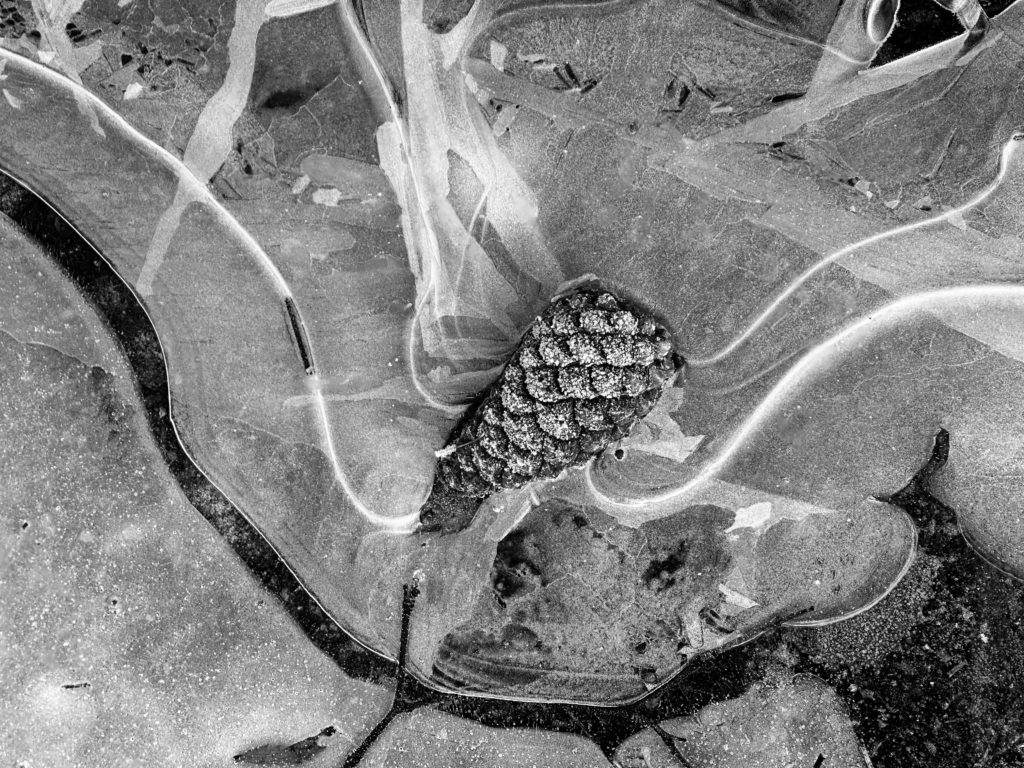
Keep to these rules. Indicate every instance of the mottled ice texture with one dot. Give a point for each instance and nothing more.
(782, 722)
(676, 159)
(130, 632)
(427, 738)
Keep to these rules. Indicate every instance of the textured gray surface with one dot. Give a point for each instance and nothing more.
(734, 166)
(131, 633)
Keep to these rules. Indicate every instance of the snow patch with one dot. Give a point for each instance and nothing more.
(754, 516)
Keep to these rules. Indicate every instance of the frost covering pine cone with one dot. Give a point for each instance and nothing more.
(587, 370)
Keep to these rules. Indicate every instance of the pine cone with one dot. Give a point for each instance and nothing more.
(585, 372)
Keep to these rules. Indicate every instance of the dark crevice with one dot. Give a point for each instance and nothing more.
(299, 336)
(916, 678)
(916, 500)
(911, 708)
(410, 694)
(784, 97)
(921, 24)
(290, 99)
(121, 312)
(670, 741)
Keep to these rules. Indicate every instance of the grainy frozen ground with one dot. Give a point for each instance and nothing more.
(130, 632)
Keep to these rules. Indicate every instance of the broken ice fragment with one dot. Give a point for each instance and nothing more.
(732, 597)
(864, 187)
(754, 516)
(499, 53)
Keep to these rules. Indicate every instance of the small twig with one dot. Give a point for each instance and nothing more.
(405, 685)
(670, 742)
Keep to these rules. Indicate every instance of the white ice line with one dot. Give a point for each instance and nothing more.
(1004, 161)
(433, 255)
(414, 373)
(191, 457)
(479, 209)
(818, 356)
(346, 9)
(185, 176)
(402, 524)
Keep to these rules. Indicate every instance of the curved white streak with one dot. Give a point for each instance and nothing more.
(185, 176)
(348, 16)
(432, 258)
(414, 372)
(479, 209)
(896, 580)
(950, 47)
(179, 437)
(815, 359)
(201, 191)
(1004, 161)
(403, 524)
(396, 524)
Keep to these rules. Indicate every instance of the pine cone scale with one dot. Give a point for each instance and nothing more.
(587, 370)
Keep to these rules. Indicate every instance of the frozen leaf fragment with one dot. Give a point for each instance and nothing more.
(288, 754)
(864, 187)
(585, 373)
(499, 54)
